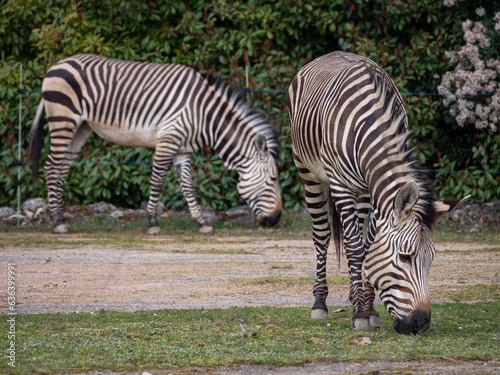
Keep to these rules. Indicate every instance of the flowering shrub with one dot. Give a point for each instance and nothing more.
(472, 95)
(472, 90)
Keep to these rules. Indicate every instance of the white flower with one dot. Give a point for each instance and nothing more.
(464, 87)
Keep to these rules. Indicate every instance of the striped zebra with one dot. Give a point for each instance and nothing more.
(351, 148)
(168, 107)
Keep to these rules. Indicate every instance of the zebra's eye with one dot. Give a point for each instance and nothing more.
(405, 258)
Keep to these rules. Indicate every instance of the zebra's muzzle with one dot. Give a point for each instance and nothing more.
(269, 220)
(416, 323)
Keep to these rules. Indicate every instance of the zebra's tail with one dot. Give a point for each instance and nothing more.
(36, 142)
(336, 227)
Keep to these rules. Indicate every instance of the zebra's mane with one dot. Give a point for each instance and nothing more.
(257, 119)
(424, 208)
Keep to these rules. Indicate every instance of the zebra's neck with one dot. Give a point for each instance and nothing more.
(232, 124)
(385, 184)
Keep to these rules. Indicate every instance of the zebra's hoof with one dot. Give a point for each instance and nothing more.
(61, 229)
(206, 229)
(153, 230)
(361, 324)
(374, 322)
(319, 314)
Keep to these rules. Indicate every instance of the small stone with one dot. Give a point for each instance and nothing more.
(40, 211)
(101, 207)
(33, 204)
(6, 212)
(14, 219)
(209, 214)
(117, 214)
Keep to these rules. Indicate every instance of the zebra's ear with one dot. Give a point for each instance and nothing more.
(261, 144)
(446, 207)
(406, 197)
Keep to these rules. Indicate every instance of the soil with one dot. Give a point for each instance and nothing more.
(222, 272)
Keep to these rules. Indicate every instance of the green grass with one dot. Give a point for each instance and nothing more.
(452, 232)
(463, 293)
(291, 225)
(284, 336)
(292, 280)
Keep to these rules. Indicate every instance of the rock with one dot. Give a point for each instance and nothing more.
(29, 214)
(17, 218)
(5, 212)
(33, 204)
(238, 215)
(101, 207)
(209, 214)
(238, 211)
(476, 215)
(116, 214)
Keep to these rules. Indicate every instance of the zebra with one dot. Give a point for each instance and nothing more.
(350, 145)
(168, 107)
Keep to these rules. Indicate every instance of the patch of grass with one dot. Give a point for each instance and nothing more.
(288, 280)
(217, 251)
(465, 293)
(291, 225)
(468, 252)
(452, 232)
(284, 336)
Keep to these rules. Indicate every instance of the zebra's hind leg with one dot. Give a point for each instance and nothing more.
(163, 156)
(64, 149)
(182, 164)
(316, 195)
(318, 208)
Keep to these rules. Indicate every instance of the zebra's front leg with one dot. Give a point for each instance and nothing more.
(355, 253)
(369, 308)
(164, 154)
(367, 228)
(182, 164)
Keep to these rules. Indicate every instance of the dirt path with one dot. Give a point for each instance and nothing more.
(222, 273)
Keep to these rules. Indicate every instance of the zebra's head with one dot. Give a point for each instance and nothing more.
(258, 183)
(398, 261)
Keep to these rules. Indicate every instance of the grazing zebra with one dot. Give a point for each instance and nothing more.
(351, 148)
(168, 107)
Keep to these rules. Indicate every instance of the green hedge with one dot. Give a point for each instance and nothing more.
(273, 40)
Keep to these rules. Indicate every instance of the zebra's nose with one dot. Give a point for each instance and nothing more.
(417, 322)
(270, 220)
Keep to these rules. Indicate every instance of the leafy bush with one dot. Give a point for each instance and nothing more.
(270, 40)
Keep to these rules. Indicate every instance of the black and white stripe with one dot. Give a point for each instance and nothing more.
(350, 145)
(168, 107)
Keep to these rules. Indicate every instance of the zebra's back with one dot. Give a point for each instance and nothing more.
(332, 102)
(125, 102)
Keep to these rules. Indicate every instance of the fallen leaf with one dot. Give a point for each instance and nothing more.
(364, 341)
(337, 311)
(313, 340)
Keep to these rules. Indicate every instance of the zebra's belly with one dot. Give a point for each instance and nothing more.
(142, 137)
(318, 170)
